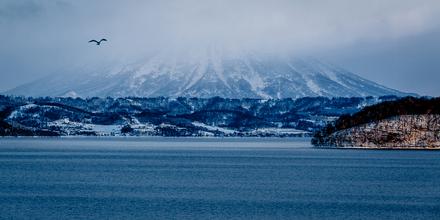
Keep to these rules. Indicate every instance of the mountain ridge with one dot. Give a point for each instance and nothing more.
(209, 75)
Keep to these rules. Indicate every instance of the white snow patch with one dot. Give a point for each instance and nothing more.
(214, 128)
(16, 113)
(314, 87)
(106, 129)
(70, 94)
(279, 131)
(143, 128)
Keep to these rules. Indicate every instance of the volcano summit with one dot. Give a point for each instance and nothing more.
(208, 75)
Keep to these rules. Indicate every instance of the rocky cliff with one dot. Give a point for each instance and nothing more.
(400, 132)
(408, 123)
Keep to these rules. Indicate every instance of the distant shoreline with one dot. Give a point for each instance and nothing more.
(214, 139)
(155, 137)
(377, 148)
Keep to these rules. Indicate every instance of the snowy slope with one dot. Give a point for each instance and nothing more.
(206, 75)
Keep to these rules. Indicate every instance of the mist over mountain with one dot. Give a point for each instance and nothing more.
(208, 74)
(394, 42)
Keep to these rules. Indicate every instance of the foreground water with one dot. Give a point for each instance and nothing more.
(181, 178)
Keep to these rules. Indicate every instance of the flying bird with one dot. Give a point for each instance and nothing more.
(98, 42)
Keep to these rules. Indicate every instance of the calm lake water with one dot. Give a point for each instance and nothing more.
(212, 178)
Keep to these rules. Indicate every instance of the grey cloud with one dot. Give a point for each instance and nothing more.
(56, 35)
(17, 10)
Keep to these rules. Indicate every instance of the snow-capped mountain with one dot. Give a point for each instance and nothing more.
(207, 75)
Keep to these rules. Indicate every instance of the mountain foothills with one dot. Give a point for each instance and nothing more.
(206, 75)
(20, 116)
(408, 123)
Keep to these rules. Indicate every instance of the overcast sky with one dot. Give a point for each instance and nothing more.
(393, 42)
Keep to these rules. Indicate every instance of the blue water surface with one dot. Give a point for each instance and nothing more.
(212, 178)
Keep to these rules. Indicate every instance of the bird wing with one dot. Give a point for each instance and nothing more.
(103, 39)
(90, 41)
